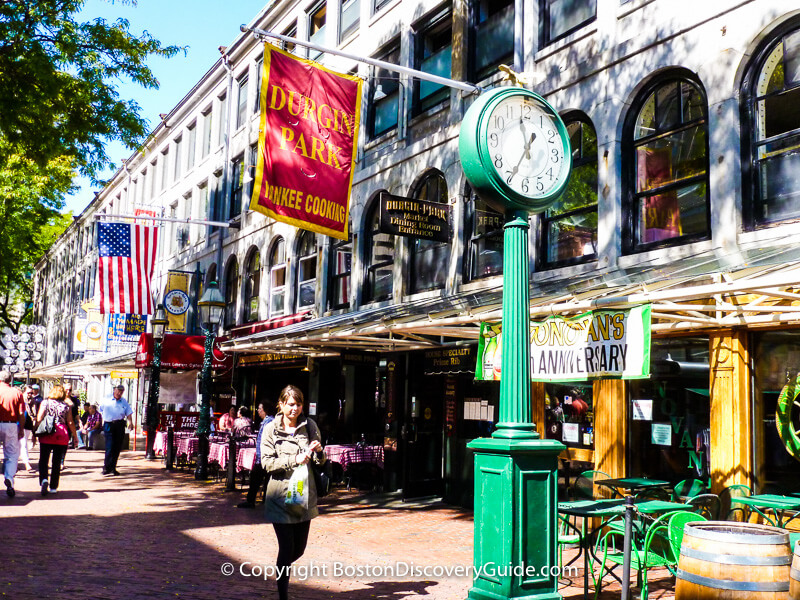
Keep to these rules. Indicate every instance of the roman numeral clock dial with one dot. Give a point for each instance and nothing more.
(515, 150)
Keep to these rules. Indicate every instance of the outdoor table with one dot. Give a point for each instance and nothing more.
(633, 484)
(334, 451)
(187, 446)
(218, 452)
(369, 454)
(778, 504)
(160, 443)
(246, 459)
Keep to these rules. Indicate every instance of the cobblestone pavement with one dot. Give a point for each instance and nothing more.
(152, 534)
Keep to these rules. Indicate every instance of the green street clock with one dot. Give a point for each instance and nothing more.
(515, 150)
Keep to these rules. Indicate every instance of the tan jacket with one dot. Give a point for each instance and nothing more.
(279, 452)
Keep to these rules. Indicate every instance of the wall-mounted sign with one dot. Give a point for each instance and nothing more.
(249, 360)
(177, 302)
(415, 218)
(661, 434)
(450, 360)
(359, 358)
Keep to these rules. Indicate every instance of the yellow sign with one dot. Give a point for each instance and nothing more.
(176, 301)
(124, 374)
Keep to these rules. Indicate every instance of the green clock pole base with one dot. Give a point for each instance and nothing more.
(515, 555)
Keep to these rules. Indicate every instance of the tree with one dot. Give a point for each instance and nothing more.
(31, 197)
(57, 92)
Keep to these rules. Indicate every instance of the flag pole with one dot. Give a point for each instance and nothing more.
(189, 221)
(459, 85)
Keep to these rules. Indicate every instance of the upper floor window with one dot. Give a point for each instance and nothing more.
(384, 105)
(252, 285)
(568, 230)
(561, 17)
(317, 21)
(241, 111)
(349, 11)
(237, 185)
(208, 123)
(665, 146)
(306, 270)
(191, 145)
(492, 36)
(178, 165)
(770, 157)
(277, 278)
(379, 257)
(485, 247)
(231, 292)
(223, 119)
(341, 264)
(164, 169)
(429, 259)
(291, 32)
(433, 54)
(379, 4)
(259, 77)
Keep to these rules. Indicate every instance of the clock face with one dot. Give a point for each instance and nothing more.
(526, 147)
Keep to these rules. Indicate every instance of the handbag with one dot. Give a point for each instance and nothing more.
(322, 477)
(46, 427)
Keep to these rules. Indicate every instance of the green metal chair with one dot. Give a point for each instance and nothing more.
(688, 488)
(583, 486)
(569, 534)
(729, 509)
(708, 505)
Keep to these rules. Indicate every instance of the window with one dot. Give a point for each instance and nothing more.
(208, 123)
(217, 208)
(384, 104)
(317, 20)
(429, 260)
(252, 285)
(259, 76)
(492, 36)
(241, 112)
(665, 146)
(188, 230)
(306, 270)
(349, 11)
(562, 17)
(191, 146)
(223, 119)
(231, 292)
(174, 229)
(485, 248)
(432, 54)
(178, 165)
(379, 4)
(292, 33)
(568, 230)
(379, 257)
(153, 178)
(341, 264)
(770, 153)
(277, 278)
(237, 184)
(252, 162)
(164, 169)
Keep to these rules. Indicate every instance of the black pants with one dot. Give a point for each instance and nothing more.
(115, 436)
(257, 476)
(292, 540)
(58, 452)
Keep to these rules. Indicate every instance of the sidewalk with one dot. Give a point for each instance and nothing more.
(151, 534)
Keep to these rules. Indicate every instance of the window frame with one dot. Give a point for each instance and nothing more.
(417, 246)
(432, 25)
(475, 26)
(319, 7)
(252, 286)
(241, 106)
(208, 132)
(237, 187)
(305, 237)
(278, 245)
(340, 279)
(355, 25)
(475, 240)
(231, 293)
(378, 75)
(372, 224)
(544, 23)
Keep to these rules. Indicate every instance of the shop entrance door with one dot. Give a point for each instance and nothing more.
(423, 443)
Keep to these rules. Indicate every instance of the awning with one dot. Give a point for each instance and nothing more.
(180, 351)
(98, 364)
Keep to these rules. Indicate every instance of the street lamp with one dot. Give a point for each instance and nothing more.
(159, 324)
(211, 307)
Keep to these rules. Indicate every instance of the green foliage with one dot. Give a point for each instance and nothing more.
(31, 196)
(57, 81)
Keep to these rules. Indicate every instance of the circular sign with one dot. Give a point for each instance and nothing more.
(25, 337)
(8, 360)
(13, 368)
(515, 150)
(24, 328)
(94, 330)
(176, 302)
(30, 346)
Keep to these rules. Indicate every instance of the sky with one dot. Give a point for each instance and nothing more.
(201, 25)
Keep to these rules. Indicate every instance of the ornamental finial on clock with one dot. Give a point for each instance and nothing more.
(519, 79)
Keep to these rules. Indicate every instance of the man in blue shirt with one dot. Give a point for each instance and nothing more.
(257, 475)
(114, 411)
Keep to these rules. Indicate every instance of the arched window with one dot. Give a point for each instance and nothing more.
(277, 278)
(378, 257)
(429, 260)
(568, 230)
(485, 246)
(340, 264)
(306, 270)
(231, 292)
(666, 162)
(211, 274)
(771, 126)
(252, 285)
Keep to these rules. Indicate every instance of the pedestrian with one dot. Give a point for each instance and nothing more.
(114, 412)
(74, 406)
(12, 423)
(226, 420)
(56, 442)
(289, 442)
(30, 415)
(257, 474)
(92, 428)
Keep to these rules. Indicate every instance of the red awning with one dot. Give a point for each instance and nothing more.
(180, 351)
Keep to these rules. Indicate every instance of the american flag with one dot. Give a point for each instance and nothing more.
(127, 259)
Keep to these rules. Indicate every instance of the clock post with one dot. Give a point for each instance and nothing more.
(516, 475)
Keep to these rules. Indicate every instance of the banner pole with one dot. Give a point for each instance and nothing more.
(459, 85)
(168, 220)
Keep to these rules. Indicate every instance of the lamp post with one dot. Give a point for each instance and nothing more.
(159, 325)
(211, 306)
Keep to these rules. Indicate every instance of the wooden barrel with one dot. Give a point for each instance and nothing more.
(732, 561)
(794, 581)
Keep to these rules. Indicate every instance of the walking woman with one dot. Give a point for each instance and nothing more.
(54, 443)
(289, 441)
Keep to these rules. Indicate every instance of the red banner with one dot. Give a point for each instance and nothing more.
(306, 143)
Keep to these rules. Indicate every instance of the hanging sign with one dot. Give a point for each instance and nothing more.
(306, 143)
(415, 218)
(176, 301)
(596, 344)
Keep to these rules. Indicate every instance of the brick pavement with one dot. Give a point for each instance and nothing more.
(150, 534)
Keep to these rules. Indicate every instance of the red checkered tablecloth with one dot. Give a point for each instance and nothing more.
(370, 454)
(246, 459)
(334, 451)
(218, 452)
(186, 446)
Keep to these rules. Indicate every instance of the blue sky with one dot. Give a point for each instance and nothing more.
(202, 25)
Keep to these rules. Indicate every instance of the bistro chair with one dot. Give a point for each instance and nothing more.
(729, 510)
(653, 493)
(569, 534)
(363, 476)
(708, 505)
(687, 489)
(583, 486)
